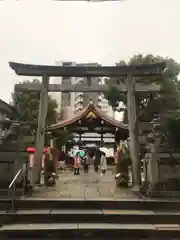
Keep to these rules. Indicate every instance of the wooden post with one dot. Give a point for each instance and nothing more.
(41, 129)
(131, 106)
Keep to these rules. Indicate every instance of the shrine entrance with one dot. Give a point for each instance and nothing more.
(124, 78)
(91, 127)
(92, 130)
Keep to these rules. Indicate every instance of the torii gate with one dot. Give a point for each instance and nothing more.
(129, 73)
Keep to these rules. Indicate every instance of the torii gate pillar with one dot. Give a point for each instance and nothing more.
(132, 122)
(40, 135)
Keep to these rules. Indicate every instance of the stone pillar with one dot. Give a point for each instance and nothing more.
(132, 121)
(153, 165)
(41, 129)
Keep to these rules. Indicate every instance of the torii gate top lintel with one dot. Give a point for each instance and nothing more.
(89, 71)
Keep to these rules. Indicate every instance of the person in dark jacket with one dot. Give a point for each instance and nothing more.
(86, 162)
(61, 160)
(97, 159)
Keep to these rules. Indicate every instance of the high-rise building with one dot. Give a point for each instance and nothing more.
(64, 100)
(73, 102)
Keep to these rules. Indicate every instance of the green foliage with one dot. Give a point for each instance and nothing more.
(148, 105)
(151, 104)
(173, 128)
(113, 96)
(61, 115)
(27, 105)
(52, 111)
(62, 137)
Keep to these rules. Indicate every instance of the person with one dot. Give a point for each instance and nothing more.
(97, 158)
(61, 160)
(103, 163)
(76, 164)
(86, 162)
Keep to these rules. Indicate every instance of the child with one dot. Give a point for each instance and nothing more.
(103, 163)
(76, 164)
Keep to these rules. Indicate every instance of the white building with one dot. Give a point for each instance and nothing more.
(73, 102)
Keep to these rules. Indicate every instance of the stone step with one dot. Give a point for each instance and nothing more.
(5, 193)
(90, 230)
(90, 216)
(131, 204)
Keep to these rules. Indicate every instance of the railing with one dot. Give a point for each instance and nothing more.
(13, 187)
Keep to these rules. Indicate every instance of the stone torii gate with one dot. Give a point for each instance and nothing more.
(129, 73)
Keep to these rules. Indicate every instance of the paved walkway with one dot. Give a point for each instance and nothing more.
(85, 186)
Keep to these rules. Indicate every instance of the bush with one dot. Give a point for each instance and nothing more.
(173, 128)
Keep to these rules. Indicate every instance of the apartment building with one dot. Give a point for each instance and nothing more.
(73, 102)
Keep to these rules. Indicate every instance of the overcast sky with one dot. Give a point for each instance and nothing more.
(42, 31)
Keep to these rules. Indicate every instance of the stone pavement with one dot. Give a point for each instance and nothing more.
(85, 186)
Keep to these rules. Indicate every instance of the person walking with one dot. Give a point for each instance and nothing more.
(103, 163)
(97, 158)
(61, 160)
(76, 164)
(86, 162)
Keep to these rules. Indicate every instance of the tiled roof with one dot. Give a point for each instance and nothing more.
(83, 113)
(6, 107)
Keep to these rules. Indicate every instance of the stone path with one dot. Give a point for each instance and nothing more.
(85, 186)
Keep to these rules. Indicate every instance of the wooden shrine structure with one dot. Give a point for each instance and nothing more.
(92, 120)
(129, 74)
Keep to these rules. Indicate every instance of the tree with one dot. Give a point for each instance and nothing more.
(114, 97)
(63, 137)
(149, 105)
(173, 128)
(27, 105)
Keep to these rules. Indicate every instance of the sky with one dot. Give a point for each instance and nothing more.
(45, 31)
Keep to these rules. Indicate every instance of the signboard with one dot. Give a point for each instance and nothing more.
(91, 115)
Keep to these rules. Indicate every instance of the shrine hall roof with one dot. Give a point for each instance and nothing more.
(5, 107)
(91, 108)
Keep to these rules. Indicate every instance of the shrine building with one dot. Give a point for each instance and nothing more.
(92, 127)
